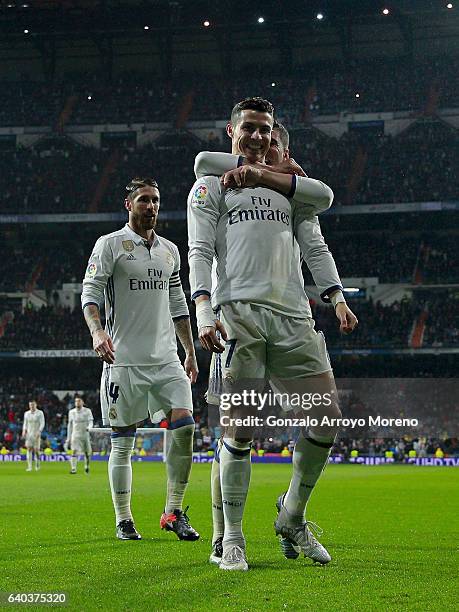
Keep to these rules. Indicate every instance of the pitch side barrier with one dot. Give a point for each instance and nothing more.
(267, 458)
(180, 214)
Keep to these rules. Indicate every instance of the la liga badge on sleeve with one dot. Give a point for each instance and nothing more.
(92, 270)
(199, 195)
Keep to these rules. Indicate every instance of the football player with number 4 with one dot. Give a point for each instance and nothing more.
(137, 272)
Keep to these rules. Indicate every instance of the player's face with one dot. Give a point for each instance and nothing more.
(32, 406)
(251, 135)
(276, 152)
(78, 403)
(144, 207)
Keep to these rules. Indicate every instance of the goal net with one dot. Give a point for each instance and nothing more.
(150, 442)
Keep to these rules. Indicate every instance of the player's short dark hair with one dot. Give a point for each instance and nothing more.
(283, 134)
(138, 183)
(257, 104)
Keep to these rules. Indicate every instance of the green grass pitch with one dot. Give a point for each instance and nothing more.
(389, 529)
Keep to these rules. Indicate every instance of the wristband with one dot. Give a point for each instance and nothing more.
(205, 315)
(337, 298)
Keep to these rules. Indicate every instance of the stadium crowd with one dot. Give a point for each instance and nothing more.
(47, 263)
(391, 325)
(318, 88)
(58, 175)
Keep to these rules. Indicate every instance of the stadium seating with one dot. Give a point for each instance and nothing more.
(318, 88)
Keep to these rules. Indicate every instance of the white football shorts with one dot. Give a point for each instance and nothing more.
(81, 444)
(33, 441)
(263, 344)
(129, 394)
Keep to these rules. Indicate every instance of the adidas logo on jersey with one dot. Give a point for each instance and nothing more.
(130, 256)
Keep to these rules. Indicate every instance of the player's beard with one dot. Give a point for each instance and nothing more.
(145, 222)
(149, 223)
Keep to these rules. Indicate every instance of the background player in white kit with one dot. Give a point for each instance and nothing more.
(250, 229)
(137, 272)
(34, 423)
(323, 269)
(78, 438)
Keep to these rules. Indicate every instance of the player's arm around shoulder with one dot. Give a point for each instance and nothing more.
(311, 192)
(215, 163)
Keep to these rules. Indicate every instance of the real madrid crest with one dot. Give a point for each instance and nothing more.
(112, 414)
(170, 259)
(128, 245)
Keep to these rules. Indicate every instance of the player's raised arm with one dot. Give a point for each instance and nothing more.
(211, 163)
(316, 195)
(98, 272)
(181, 317)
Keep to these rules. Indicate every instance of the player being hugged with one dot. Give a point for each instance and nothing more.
(321, 264)
(78, 438)
(34, 424)
(137, 272)
(252, 221)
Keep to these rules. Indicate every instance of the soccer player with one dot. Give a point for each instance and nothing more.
(248, 221)
(34, 423)
(78, 438)
(138, 273)
(323, 269)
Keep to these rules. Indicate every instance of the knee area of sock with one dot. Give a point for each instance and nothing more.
(318, 436)
(237, 446)
(184, 426)
(184, 433)
(122, 446)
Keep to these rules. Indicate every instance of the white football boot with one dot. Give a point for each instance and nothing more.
(296, 539)
(234, 558)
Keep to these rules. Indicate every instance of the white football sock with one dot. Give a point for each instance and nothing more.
(37, 459)
(235, 469)
(310, 457)
(86, 461)
(178, 461)
(73, 462)
(120, 475)
(218, 520)
(29, 458)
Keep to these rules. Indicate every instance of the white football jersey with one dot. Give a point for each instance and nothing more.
(251, 233)
(80, 421)
(315, 252)
(34, 422)
(143, 294)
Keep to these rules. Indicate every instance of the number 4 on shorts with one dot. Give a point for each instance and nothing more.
(114, 392)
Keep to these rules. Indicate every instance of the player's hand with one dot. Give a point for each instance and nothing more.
(190, 366)
(288, 166)
(347, 319)
(103, 346)
(245, 176)
(208, 337)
